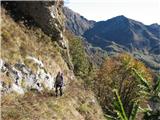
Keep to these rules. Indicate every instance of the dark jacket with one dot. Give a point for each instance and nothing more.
(59, 81)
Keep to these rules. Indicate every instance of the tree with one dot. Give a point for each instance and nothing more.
(79, 57)
(118, 73)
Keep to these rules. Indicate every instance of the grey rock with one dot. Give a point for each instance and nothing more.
(24, 79)
(76, 23)
(47, 15)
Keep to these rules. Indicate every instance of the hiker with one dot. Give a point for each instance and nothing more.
(59, 83)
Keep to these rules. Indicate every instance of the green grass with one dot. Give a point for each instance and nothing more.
(84, 108)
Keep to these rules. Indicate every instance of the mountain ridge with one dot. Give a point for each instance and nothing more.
(123, 31)
(121, 34)
(76, 23)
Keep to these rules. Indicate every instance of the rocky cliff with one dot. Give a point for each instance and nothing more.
(23, 54)
(32, 53)
(47, 15)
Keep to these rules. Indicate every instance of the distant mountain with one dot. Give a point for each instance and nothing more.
(155, 29)
(117, 35)
(124, 32)
(121, 34)
(76, 23)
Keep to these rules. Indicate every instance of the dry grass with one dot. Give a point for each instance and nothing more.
(17, 43)
(7, 80)
(30, 106)
(73, 105)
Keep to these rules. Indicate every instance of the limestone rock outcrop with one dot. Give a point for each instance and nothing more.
(21, 78)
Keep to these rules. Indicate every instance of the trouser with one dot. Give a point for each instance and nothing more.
(60, 90)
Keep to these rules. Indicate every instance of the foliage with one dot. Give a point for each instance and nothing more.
(118, 106)
(121, 113)
(84, 108)
(154, 113)
(118, 73)
(79, 57)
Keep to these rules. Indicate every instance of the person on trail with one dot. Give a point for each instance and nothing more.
(59, 83)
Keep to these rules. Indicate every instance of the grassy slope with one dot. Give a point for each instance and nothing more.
(76, 104)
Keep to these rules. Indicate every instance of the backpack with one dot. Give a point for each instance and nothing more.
(59, 80)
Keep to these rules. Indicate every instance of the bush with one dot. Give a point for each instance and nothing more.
(84, 108)
(117, 73)
(79, 57)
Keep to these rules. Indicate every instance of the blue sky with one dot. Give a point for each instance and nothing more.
(146, 11)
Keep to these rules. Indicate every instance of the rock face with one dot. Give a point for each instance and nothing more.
(47, 14)
(76, 23)
(22, 69)
(22, 78)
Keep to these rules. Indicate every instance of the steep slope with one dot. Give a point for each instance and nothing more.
(76, 23)
(17, 43)
(95, 54)
(154, 28)
(33, 13)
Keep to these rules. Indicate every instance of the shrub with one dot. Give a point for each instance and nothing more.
(117, 73)
(84, 108)
(78, 55)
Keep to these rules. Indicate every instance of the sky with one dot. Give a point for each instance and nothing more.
(146, 11)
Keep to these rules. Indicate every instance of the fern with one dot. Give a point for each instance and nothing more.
(157, 86)
(143, 82)
(119, 106)
(134, 111)
(109, 117)
(121, 114)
